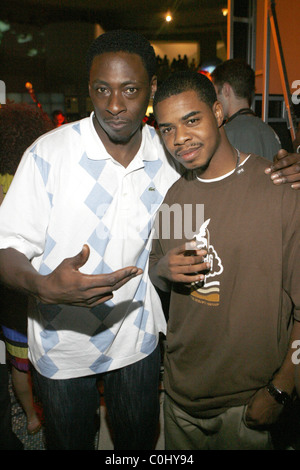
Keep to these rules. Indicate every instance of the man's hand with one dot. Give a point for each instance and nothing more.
(67, 285)
(176, 266)
(263, 410)
(285, 169)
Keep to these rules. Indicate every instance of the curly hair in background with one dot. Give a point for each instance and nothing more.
(20, 125)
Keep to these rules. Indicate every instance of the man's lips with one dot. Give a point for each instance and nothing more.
(116, 123)
(189, 153)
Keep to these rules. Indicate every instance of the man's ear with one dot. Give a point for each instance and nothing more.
(226, 89)
(218, 112)
(153, 86)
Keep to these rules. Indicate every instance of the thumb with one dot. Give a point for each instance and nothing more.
(280, 154)
(81, 258)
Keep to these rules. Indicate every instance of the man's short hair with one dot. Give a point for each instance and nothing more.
(239, 75)
(123, 41)
(180, 82)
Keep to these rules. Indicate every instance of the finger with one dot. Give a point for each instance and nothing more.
(194, 259)
(295, 178)
(286, 163)
(110, 280)
(94, 301)
(280, 154)
(128, 271)
(276, 164)
(81, 258)
(101, 300)
(195, 268)
(95, 295)
(190, 278)
(123, 281)
(189, 255)
(186, 273)
(293, 172)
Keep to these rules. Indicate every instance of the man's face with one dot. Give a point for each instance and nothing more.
(190, 129)
(59, 119)
(120, 90)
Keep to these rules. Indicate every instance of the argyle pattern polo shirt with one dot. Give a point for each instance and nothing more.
(69, 191)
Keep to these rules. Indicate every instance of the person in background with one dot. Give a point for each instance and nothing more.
(58, 118)
(20, 126)
(234, 82)
(235, 300)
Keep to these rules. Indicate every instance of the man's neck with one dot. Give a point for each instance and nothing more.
(235, 105)
(222, 162)
(122, 152)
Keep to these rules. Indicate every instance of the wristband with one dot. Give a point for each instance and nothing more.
(279, 395)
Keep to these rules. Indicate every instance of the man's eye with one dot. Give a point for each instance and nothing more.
(166, 130)
(130, 91)
(101, 89)
(193, 121)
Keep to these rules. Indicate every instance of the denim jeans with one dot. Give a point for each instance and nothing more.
(131, 397)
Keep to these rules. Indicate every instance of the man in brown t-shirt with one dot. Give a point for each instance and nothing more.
(235, 301)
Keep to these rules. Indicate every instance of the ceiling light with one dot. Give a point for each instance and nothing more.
(168, 17)
(225, 11)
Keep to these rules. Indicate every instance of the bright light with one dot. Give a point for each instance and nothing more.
(168, 18)
(225, 11)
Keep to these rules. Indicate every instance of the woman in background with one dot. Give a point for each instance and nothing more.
(20, 126)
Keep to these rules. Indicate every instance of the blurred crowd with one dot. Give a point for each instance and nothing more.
(165, 66)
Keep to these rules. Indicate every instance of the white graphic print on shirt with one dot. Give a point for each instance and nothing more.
(209, 292)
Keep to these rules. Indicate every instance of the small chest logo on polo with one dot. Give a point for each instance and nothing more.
(209, 292)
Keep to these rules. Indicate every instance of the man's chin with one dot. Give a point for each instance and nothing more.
(196, 166)
(119, 139)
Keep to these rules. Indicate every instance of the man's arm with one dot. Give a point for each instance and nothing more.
(285, 169)
(66, 284)
(263, 409)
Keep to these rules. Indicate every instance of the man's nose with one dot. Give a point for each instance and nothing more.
(181, 135)
(116, 103)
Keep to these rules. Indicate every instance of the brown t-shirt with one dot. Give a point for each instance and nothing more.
(226, 339)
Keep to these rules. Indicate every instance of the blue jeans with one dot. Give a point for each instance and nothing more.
(131, 398)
